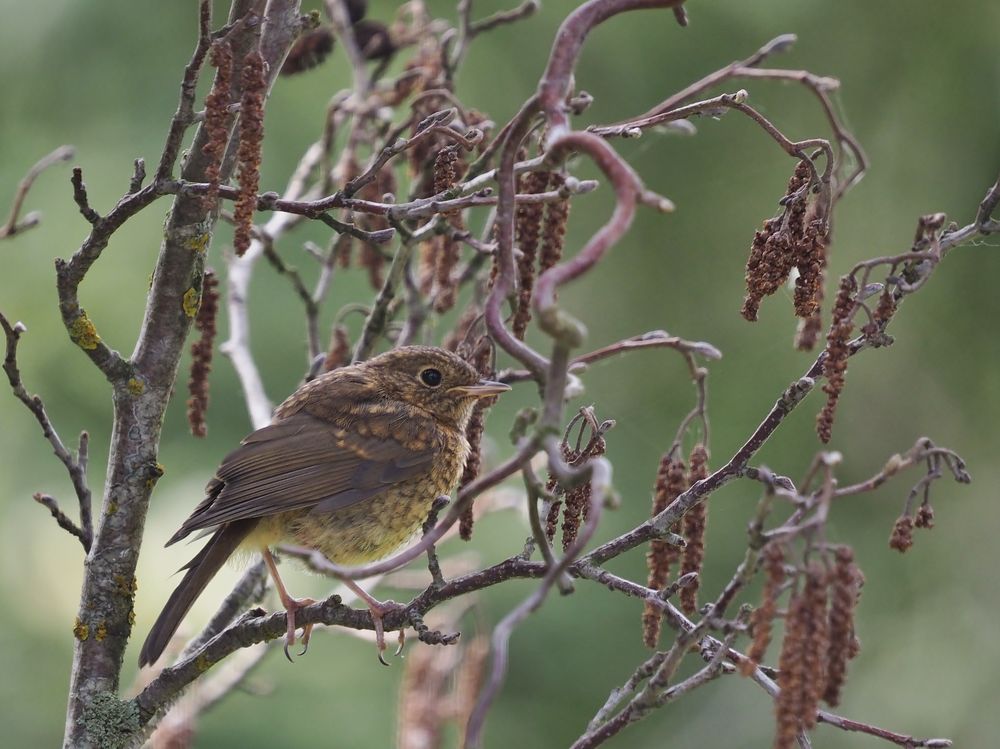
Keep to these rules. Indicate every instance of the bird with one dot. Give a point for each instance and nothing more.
(350, 466)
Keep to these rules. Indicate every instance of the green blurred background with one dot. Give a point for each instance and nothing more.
(920, 90)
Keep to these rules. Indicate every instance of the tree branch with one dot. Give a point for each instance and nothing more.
(76, 467)
(15, 226)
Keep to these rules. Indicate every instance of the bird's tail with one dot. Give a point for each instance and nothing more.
(200, 570)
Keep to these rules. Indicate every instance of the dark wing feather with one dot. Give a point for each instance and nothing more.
(303, 462)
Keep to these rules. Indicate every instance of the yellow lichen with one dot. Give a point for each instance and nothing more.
(156, 471)
(131, 617)
(202, 663)
(136, 386)
(191, 302)
(112, 507)
(199, 242)
(125, 587)
(81, 631)
(83, 333)
(102, 632)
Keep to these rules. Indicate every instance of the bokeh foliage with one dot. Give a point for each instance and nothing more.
(920, 91)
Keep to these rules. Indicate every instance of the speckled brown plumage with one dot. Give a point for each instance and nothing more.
(350, 466)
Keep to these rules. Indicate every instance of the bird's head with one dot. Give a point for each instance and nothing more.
(432, 379)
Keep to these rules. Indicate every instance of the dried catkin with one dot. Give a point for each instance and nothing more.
(248, 154)
(695, 523)
(670, 484)
(201, 355)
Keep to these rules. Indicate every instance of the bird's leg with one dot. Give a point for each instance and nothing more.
(377, 609)
(291, 606)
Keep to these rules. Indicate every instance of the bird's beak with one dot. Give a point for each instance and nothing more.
(482, 389)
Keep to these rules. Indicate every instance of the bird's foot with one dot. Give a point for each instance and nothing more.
(379, 609)
(291, 606)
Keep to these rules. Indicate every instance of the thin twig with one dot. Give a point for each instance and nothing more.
(14, 225)
(76, 467)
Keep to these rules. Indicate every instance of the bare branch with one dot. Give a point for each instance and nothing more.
(49, 503)
(75, 466)
(15, 226)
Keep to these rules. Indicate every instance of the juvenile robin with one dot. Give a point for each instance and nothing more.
(350, 466)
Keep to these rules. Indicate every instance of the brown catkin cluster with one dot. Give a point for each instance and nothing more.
(576, 505)
(837, 354)
(373, 261)
(764, 275)
(556, 492)
(427, 261)
(481, 358)
(925, 516)
(313, 47)
(339, 352)
(372, 258)
(422, 154)
(883, 313)
(554, 233)
(762, 619)
(844, 591)
(807, 335)
(342, 247)
(695, 522)
(251, 142)
(552, 518)
(810, 259)
(217, 120)
(528, 231)
(671, 482)
(793, 240)
(201, 354)
(446, 168)
(802, 665)
(445, 249)
(886, 306)
(575, 502)
(309, 51)
(374, 40)
(902, 534)
(445, 273)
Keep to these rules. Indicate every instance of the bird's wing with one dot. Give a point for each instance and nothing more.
(301, 462)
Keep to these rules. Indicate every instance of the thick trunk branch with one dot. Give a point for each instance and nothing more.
(95, 716)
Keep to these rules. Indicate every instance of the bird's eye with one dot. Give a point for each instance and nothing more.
(431, 377)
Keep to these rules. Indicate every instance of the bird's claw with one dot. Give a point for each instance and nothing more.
(402, 642)
(379, 609)
(380, 642)
(291, 606)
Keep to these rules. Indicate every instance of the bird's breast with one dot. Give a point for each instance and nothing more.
(377, 526)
